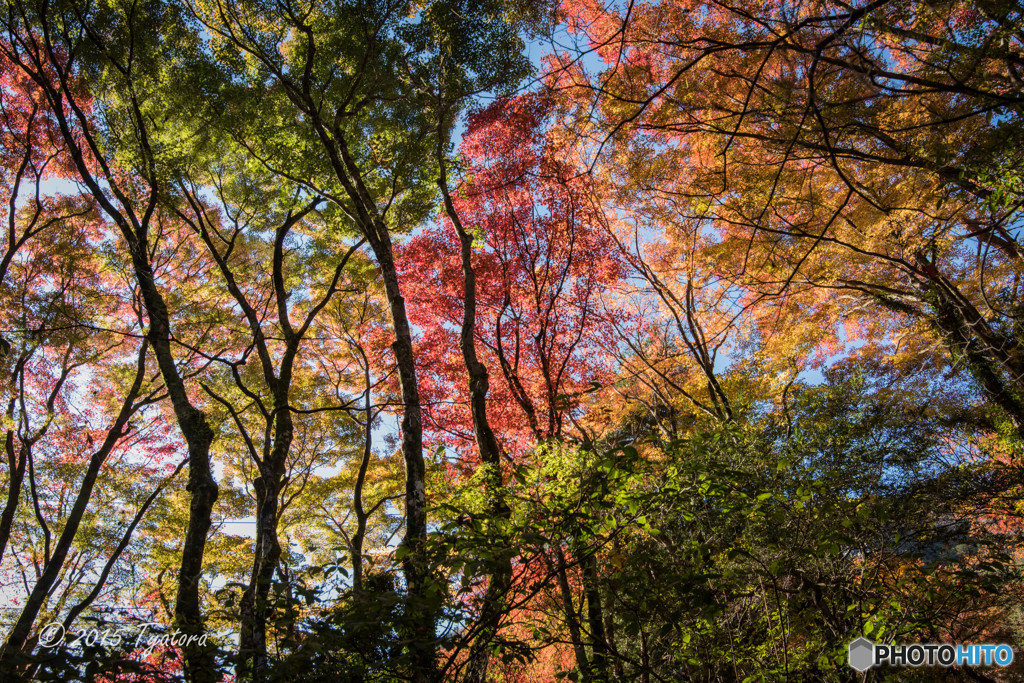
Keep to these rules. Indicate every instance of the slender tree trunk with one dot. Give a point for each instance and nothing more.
(200, 662)
(490, 453)
(357, 494)
(252, 650)
(188, 613)
(17, 461)
(571, 622)
(267, 552)
(420, 608)
(595, 618)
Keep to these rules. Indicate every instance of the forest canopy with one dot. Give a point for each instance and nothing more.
(509, 340)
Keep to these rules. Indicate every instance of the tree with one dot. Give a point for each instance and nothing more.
(52, 45)
(233, 241)
(843, 155)
(699, 354)
(545, 272)
(524, 278)
(351, 75)
(68, 320)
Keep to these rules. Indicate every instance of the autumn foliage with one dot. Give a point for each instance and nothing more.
(546, 274)
(508, 341)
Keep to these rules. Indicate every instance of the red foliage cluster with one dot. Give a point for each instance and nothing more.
(545, 270)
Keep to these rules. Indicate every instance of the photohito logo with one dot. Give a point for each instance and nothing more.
(863, 654)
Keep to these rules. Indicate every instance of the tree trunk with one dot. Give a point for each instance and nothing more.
(267, 551)
(199, 657)
(571, 622)
(420, 610)
(992, 360)
(595, 618)
(16, 464)
(490, 452)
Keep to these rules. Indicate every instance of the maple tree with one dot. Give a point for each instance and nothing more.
(523, 291)
(842, 155)
(543, 268)
(69, 321)
(337, 343)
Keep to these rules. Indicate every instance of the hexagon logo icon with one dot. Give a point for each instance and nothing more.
(862, 654)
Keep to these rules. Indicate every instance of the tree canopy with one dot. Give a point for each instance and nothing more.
(374, 340)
